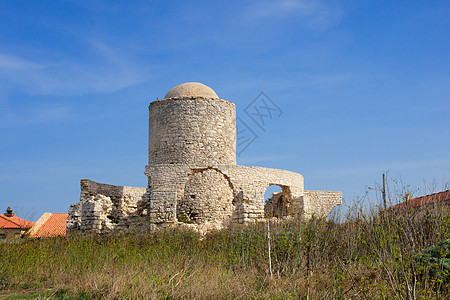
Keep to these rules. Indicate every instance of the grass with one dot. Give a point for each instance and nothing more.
(396, 255)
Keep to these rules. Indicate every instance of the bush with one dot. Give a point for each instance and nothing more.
(434, 265)
(397, 254)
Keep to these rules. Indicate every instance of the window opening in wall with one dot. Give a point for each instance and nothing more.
(276, 201)
(270, 191)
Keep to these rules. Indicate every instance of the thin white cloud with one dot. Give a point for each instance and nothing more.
(8, 62)
(111, 72)
(316, 14)
(36, 115)
(282, 8)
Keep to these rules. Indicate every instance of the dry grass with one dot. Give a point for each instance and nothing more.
(374, 256)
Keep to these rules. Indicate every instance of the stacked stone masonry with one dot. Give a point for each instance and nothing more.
(103, 206)
(168, 184)
(193, 176)
(192, 131)
(320, 203)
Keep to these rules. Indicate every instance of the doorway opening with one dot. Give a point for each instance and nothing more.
(277, 201)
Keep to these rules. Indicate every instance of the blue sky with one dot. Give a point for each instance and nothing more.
(364, 87)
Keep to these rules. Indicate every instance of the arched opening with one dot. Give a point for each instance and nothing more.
(270, 191)
(206, 196)
(277, 201)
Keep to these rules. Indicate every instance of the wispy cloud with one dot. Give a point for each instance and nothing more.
(36, 115)
(316, 14)
(8, 62)
(282, 8)
(112, 71)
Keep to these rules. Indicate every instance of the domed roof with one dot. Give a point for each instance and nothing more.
(191, 89)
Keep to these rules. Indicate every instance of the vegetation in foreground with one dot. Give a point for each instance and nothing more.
(397, 255)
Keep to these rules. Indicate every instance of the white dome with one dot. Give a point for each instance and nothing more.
(191, 89)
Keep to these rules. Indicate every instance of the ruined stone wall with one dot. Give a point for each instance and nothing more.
(320, 203)
(277, 206)
(227, 194)
(170, 189)
(103, 206)
(195, 131)
(251, 184)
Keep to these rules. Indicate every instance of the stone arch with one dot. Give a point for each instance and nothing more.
(206, 196)
(279, 205)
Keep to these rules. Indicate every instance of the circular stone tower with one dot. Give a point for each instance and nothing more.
(192, 126)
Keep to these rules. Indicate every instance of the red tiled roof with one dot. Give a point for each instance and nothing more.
(14, 222)
(54, 226)
(424, 200)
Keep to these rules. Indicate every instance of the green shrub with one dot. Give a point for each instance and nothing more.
(395, 255)
(434, 264)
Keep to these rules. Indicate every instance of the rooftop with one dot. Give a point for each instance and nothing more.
(191, 89)
(425, 200)
(54, 226)
(14, 222)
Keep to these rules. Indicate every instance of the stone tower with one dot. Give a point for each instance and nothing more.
(192, 171)
(192, 126)
(193, 176)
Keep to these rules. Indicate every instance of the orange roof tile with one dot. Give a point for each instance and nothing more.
(14, 222)
(424, 200)
(54, 226)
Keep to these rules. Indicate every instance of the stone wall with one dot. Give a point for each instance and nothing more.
(320, 203)
(207, 196)
(170, 190)
(103, 206)
(222, 194)
(251, 183)
(11, 233)
(192, 131)
(277, 206)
